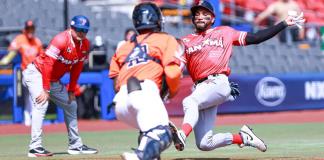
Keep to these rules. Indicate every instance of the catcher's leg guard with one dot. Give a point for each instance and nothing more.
(139, 138)
(154, 142)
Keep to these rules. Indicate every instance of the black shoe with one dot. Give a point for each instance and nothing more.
(82, 150)
(39, 152)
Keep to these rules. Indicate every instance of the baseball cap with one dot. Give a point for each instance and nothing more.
(29, 24)
(203, 4)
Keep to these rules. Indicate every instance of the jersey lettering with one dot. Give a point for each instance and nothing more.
(139, 55)
(208, 42)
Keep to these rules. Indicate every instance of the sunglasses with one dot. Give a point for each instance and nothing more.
(81, 30)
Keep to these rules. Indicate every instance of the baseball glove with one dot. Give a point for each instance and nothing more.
(235, 92)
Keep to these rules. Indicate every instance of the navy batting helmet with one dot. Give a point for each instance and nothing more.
(147, 16)
(80, 23)
(203, 4)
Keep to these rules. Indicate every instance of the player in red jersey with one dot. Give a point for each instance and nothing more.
(207, 54)
(66, 52)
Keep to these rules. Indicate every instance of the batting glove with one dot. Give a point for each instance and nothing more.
(295, 19)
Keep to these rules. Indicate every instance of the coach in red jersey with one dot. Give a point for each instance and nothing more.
(207, 55)
(66, 52)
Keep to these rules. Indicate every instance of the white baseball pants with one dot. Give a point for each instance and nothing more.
(32, 79)
(200, 110)
(141, 109)
(28, 102)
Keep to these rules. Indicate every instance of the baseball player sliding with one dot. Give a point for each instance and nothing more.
(66, 53)
(138, 68)
(207, 54)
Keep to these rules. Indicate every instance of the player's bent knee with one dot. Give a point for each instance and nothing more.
(189, 102)
(205, 143)
(70, 110)
(204, 147)
(133, 84)
(155, 141)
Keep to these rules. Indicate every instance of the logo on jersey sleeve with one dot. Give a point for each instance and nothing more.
(207, 42)
(52, 51)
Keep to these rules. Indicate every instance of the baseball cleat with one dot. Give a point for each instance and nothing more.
(129, 156)
(250, 139)
(39, 152)
(178, 137)
(82, 150)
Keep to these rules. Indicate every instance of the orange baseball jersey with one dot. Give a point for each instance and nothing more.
(209, 52)
(28, 49)
(159, 46)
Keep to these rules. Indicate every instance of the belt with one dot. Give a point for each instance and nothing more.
(205, 78)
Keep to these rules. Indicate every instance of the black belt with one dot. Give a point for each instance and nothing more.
(205, 78)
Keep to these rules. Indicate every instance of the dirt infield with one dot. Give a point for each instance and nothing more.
(237, 119)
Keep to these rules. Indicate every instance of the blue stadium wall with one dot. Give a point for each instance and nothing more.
(266, 93)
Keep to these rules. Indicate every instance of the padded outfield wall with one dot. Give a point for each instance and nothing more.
(266, 93)
(259, 93)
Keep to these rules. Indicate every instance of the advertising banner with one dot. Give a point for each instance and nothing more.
(265, 93)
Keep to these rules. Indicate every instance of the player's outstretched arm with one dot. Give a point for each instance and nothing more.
(263, 35)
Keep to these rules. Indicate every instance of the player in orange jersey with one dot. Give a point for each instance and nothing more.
(138, 68)
(28, 46)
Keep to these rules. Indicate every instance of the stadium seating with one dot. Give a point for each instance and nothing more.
(265, 58)
(280, 58)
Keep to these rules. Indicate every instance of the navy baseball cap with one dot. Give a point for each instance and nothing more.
(203, 4)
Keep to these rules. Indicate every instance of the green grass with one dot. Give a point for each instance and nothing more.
(285, 141)
(9, 117)
(5, 117)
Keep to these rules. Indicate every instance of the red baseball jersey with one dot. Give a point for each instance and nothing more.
(209, 52)
(62, 55)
